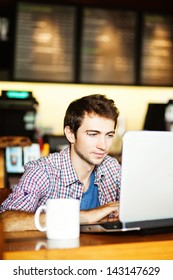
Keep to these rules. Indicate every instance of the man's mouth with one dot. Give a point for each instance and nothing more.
(100, 155)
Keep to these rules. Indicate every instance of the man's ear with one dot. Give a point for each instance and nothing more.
(69, 134)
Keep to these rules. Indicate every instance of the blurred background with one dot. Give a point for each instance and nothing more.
(52, 52)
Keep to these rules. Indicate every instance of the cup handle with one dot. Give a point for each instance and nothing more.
(41, 245)
(37, 218)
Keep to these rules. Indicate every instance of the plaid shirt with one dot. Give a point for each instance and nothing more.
(54, 177)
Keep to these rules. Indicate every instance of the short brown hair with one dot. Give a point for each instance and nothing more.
(96, 103)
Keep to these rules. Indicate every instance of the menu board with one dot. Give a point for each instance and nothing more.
(157, 50)
(44, 43)
(108, 46)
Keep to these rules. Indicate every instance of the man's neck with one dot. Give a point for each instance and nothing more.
(82, 169)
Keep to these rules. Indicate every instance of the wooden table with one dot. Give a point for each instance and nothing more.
(31, 245)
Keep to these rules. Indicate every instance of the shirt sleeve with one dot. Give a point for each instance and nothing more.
(29, 193)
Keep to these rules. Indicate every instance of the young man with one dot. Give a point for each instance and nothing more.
(82, 171)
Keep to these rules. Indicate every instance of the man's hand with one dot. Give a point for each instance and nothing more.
(107, 212)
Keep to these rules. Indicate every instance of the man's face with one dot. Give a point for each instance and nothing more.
(94, 139)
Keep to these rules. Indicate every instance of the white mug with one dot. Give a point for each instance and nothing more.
(62, 218)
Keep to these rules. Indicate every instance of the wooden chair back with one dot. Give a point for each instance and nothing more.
(4, 192)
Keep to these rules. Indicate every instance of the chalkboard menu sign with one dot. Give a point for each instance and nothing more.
(44, 43)
(157, 50)
(108, 46)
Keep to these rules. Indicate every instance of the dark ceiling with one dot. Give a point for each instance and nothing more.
(155, 5)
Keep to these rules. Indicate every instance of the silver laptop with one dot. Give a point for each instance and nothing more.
(146, 200)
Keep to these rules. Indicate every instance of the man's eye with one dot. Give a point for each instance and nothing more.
(110, 135)
(91, 134)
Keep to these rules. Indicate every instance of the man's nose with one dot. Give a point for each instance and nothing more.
(101, 143)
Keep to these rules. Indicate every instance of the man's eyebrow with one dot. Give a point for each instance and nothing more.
(92, 130)
(97, 131)
(112, 131)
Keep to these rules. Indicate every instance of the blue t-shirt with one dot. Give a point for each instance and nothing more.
(90, 197)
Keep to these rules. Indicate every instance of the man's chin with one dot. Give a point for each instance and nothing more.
(98, 161)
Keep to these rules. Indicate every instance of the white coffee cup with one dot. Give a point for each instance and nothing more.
(62, 218)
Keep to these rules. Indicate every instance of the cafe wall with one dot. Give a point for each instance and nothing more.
(54, 98)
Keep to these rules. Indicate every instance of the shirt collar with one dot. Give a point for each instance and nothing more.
(99, 172)
(68, 174)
